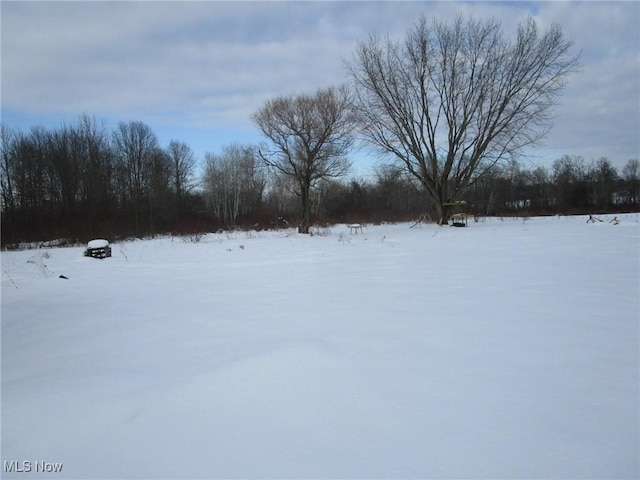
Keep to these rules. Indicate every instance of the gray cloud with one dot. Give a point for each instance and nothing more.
(211, 64)
(599, 114)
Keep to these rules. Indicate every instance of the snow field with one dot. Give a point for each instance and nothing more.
(508, 349)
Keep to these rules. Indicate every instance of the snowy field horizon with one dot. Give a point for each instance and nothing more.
(507, 349)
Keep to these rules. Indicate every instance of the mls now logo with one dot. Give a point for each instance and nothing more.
(14, 466)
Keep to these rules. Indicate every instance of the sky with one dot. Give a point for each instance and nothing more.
(197, 71)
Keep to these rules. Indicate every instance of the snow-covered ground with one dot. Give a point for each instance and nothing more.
(508, 349)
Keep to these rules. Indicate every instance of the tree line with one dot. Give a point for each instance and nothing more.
(450, 106)
(82, 181)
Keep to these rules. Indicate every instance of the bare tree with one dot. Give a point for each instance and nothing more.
(64, 167)
(395, 188)
(631, 174)
(182, 163)
(7, 188)
(453, 100)
(97, 177)
(311, 135)
(136, 151)
(30, 171)
(280, 197)
(234, 182)
(602, 176)
(569, 178)
(541, 187)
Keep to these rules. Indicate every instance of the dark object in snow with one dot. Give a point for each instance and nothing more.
(98, 249)
(62, 276)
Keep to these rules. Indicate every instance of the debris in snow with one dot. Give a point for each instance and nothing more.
(11, 279)
(38, 261)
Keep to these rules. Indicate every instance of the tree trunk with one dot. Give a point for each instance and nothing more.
(444, 213)
(306, 208)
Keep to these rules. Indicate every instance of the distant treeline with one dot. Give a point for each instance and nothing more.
(81, 181)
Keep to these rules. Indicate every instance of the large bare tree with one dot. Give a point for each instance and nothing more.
(310, 136)
(453, 100)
